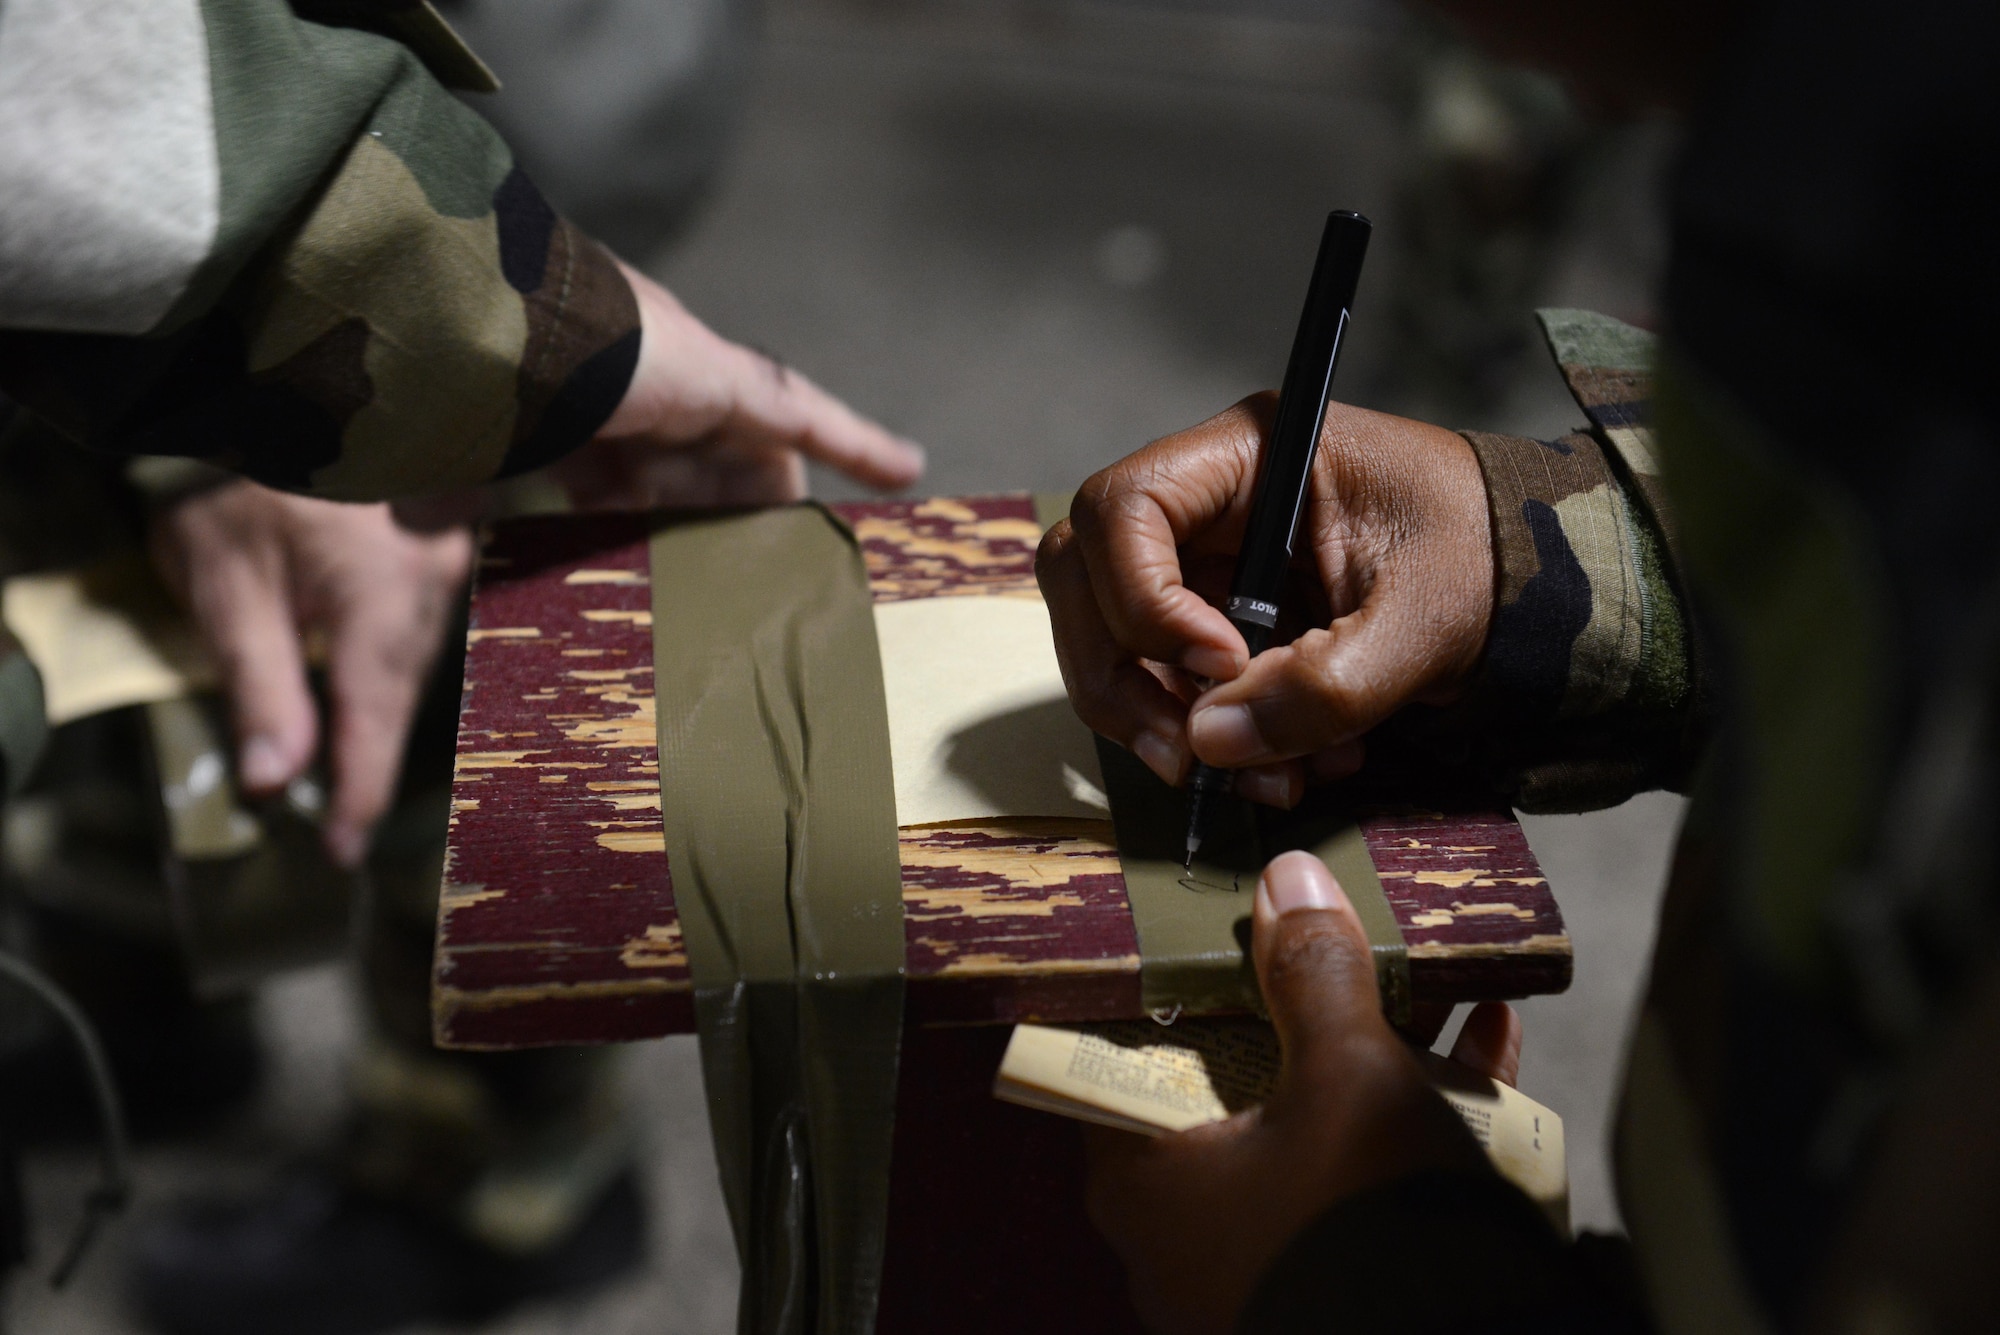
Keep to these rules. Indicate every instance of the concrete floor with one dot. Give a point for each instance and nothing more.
(1032, 242)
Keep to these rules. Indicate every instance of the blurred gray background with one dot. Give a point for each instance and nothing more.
(1034, 236)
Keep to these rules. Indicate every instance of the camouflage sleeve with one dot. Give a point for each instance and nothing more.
(1589, 690)
(1375, 1261)
(373, 301)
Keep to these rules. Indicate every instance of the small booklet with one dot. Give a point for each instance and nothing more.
(1139, 1076)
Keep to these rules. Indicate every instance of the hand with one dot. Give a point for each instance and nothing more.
(1199, 1217)
(706, 422)
(258, 569)
(1398, 559)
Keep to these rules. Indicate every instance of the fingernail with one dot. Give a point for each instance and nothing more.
(1205, 660)
(1296, 881)
(346, 844)
(1272, 787)
(261, 764)
(1227, 735)
(913, 462)
(1160, 755)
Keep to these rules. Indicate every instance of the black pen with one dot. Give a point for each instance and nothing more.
(1286, 472)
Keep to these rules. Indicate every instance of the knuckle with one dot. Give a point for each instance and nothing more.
(1054, 546)
(1088, 508)
(773, 370)
(1260, 407)
(1113, 497)
(1128, 507)
(1321, 673)
(1096, 489)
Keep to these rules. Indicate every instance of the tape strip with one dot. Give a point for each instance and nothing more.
(778, 802)
(1194, 923)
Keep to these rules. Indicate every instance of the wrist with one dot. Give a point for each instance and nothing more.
(1472, 564)
(638, 408)
(629, 417)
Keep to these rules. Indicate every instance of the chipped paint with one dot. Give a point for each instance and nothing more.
(627, 577)
(658, 947)
(633, 841)
(1532, 945)
(495, 759)
(1000, 964)
(453, 897)
(557, 936)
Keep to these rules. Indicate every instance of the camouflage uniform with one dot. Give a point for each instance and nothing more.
(1788, 601)
(266, 237)
(339, 282)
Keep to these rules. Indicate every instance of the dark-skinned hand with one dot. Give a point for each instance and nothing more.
(1395, 576)
(1198, 1217)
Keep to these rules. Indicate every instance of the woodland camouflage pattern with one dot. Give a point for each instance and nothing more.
(385, 305)
(389, 305)
(1587, 691)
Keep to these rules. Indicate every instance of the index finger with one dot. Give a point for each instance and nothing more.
(1188, 491)
(770, 403)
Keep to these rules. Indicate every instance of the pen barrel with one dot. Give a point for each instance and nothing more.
(1207, 781)
(1207, 787)
(1284, 476)
(1285, 473)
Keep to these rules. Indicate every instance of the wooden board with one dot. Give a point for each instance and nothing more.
(557, 921)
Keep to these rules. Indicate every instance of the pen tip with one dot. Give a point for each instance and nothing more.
(1193, 847)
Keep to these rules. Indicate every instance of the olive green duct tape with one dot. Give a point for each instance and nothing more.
(1194, 923)
(1323, 826)
(779, 808)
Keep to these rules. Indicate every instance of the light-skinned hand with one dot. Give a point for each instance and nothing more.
(259, 570)
(707, 422)
(1199, 1216)
(1395, 566)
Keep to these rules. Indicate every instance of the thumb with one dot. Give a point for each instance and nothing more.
(1327, 687)
(1314, 966)
(1490, 1042)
